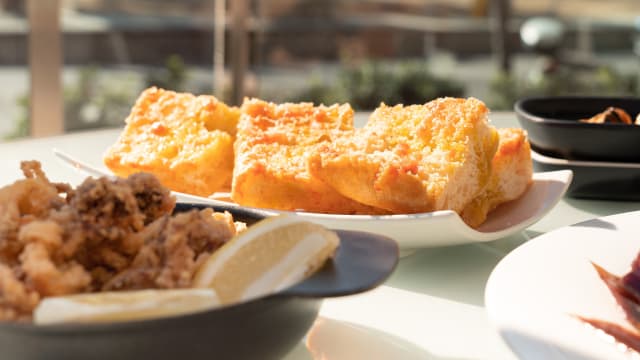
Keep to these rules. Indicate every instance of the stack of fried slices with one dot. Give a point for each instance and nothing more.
(406, 159)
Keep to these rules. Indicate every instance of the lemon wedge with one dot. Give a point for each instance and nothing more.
(270, 255)
(123, 305)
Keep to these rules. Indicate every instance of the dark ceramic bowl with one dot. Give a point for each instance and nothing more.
(595, 179)
(554, 130)
(264, 328)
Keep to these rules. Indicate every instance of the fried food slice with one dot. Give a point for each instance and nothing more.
(271, 155)
(185, 140)
(510, 176)
(410, 159)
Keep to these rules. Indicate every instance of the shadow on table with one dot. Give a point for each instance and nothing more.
(458, 273)
(602, 207)
(527, 346)
(596, 223)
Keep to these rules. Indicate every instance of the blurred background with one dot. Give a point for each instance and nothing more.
(68, 65)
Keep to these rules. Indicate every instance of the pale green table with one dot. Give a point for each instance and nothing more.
(432, 307)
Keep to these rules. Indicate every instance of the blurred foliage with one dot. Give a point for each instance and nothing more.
(172, 77)
(21, 126)
(100, 99)
(505, 89)
(93, 103)
(371, 83)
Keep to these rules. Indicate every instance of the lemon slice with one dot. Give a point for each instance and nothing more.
(270, 255)
(123, 305)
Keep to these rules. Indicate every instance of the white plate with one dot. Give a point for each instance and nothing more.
(431, 229)
(534, 292)
(331, 339)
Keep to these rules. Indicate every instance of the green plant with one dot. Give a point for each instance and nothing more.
(93, 102)
(21, 126)
(417, 84)
(368, 85)
(365, 86)
(88, 103)
(96, 100)
(319, 92)
(172, 77)
(505, 89)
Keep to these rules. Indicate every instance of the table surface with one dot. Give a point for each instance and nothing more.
(432, 307)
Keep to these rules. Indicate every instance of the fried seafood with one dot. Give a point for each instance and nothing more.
(26, 200)
(173, 248)
(55, 240)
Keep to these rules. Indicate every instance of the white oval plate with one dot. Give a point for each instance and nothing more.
(533, 294)
(331, 339)
(413, 231)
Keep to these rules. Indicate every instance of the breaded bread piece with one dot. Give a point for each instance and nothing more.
(511, 174)
(271, 155)
(185, 140)
(410, 159)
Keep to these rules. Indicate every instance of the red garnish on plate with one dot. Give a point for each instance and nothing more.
(626, 291)
(621, 334)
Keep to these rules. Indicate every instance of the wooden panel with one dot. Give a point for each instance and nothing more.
(45, 65)
(239, 48)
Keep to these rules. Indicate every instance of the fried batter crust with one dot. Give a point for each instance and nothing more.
(410, 159)
(179, 138)
(105, 234)
(511, 175)
(173, 248)
(272, 148)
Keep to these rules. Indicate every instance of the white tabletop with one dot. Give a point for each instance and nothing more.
(432, 306)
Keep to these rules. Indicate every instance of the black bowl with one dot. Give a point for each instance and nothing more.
(554, 130)
(598, 180)
(264, 328)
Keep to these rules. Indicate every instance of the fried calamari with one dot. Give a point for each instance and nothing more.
(172, 250)
(106, 234)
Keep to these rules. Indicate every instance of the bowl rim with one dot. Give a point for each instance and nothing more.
(285, 294)
(556, 161)
(521, 113)
(61, 329)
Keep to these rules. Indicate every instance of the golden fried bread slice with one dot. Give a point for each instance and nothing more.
(511, 174)
(185, 140)
(271, 155)
(410, 159)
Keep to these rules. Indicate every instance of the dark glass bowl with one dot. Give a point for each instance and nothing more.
(600, 180)
(264, 328)
(554, 130)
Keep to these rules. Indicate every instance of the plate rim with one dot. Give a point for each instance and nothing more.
(546, 159)
(460, 229)
(565, 176)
